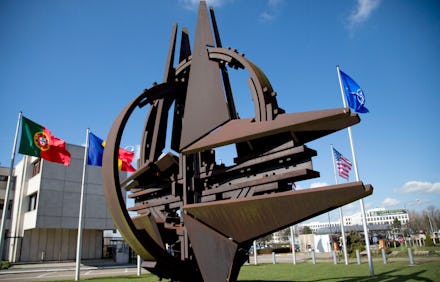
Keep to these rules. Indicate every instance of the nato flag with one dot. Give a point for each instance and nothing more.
(353, 92)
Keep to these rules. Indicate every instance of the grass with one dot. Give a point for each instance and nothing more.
(397, 271)
(328, 272)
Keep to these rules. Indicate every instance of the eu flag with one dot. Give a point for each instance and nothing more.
(353, 92)
(96, 150)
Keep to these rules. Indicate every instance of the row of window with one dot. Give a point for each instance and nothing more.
(377, 220)
(400, 217)
(36, 167)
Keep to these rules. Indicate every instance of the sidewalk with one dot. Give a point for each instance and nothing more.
(51, 266)
(54, 266)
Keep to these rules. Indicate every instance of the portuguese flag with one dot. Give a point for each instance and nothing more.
(38, 141)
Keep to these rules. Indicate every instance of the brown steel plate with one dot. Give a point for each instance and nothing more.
(307, 126)
(215, 252)
(251, 218)
(205, 106)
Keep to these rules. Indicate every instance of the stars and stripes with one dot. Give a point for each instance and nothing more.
(343, 164)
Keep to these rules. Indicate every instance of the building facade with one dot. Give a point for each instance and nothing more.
(44, 216)
(4, 175)
(377, 216)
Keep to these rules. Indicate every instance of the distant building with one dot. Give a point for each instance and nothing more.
(44, 218)
(318, 243)
(377, 216)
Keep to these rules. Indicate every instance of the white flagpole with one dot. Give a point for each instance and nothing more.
(292, 235)
(364, 218)
(81, 210)
(8, 187)
(341, 218)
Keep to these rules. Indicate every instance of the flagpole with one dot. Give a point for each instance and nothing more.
(341, 218)
(81, 210)
(364, 218)
(292, 235)
(8, 187)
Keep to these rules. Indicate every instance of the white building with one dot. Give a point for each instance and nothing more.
(374, 217)
(316, 225)
(318, 243)
(4, 174)
(378, 216)
(44, 217)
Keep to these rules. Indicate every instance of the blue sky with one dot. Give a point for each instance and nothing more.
(70, 65)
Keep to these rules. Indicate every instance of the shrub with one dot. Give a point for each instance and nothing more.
(354, 248)
(275, 249)
(428, 241)
(4, 264)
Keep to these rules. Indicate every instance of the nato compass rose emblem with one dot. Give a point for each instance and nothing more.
(359, 96)
(41, 140)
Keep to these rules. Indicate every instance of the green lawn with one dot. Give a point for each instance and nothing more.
(429, 271)
(393, 272)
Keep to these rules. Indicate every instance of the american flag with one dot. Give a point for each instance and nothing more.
(343, 164)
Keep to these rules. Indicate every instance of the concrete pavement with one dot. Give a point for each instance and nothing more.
(47, 271)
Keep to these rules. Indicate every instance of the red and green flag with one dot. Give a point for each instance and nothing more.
(38, 141)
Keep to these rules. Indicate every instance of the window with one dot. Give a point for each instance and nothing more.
(8, 213)
(3, 178)
(36, 167)
(32, 202)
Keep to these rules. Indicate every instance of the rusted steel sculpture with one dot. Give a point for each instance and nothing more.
(196, 219)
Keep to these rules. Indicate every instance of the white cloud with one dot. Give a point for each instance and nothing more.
(351, 206)
(388, 202)
(272, 10)
(363, 11)
(318, 184)
(422, 187)
(417, 203)
(266, 16)
(194, 4)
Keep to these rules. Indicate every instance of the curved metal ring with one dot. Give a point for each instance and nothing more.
(139, 240)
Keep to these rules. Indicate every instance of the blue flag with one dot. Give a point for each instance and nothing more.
(353, 92)
(96, 150)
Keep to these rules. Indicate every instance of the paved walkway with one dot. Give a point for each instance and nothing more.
(65, 265)
(47, 271)
(31, 272)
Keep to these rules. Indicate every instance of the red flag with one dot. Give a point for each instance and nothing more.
(37, 140)
(124, 160)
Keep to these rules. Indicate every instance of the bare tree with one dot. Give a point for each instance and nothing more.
(424, 220)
